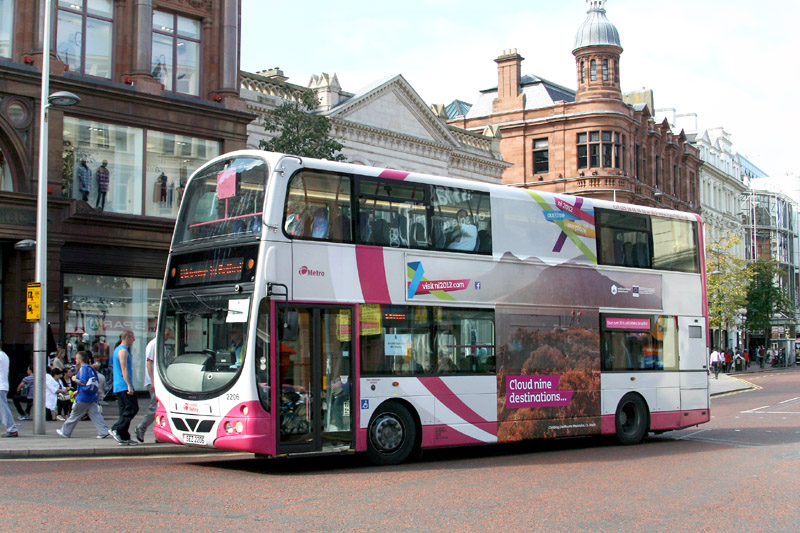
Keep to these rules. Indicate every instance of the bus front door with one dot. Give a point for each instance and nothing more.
(314, 350)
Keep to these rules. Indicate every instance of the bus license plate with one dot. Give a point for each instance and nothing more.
(194, 439)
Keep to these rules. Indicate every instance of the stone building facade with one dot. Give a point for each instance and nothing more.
(385, 124)
(588, 141)
(159, 88)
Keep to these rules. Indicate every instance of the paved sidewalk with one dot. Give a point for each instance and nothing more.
(84, 441)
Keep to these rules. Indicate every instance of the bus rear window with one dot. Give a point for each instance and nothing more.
(223, 200)
(646, 241)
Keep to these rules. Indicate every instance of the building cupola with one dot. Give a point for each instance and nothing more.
(597, 50)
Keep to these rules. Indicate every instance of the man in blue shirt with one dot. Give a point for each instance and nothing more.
(85, 379)
(123, 388)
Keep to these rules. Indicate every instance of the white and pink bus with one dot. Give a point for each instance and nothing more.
(322, 307)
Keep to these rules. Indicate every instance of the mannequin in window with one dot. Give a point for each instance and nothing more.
(102, 184)
(84, 180)
(160, 190)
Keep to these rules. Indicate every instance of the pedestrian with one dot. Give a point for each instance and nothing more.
(25, 394)
(716, 362)
(101, 386)
(150, 356)
(6, 418)
(728, 360)
(85, 400)
(65, 393)
(121, 362)
(746, 354)
(760, 356)
(52, 388)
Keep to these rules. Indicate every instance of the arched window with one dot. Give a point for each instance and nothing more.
(616, 71)
(605, 70)
(593, 70)
(583, 71)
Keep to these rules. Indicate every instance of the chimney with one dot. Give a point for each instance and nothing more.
(509, 96)
(274, 73)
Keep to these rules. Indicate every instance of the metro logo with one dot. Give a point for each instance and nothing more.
(305, 271)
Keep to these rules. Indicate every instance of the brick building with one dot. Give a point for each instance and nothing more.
(159, 88)
(591, 141)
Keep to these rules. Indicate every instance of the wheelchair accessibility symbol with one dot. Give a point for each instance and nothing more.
(364, 404)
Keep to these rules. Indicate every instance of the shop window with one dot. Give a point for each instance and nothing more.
(84, 34)
(408, 340)
(97, 309)
(103, 164)
(541, 156)
(318, 207)
(6, 27)
(98, 171)
(639, 343)
(176, 52)
(171, 159)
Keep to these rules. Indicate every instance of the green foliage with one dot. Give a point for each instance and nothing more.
(765, 297)
(300, 131)
(727, 282)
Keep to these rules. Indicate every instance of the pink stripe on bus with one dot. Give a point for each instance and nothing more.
(442, 392)
(372, 274)
(394, 174)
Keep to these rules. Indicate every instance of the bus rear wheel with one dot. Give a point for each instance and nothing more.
(631, 419)
(392, 435)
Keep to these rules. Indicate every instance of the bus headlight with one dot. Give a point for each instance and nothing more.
(245, 410)
(238, 426)
(228, 427)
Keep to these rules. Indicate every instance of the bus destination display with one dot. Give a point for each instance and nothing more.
(210, 271)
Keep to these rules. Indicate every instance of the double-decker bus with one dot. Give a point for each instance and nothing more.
(312, 306)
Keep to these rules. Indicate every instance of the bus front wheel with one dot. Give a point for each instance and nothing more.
(631, 419)
(392, 435)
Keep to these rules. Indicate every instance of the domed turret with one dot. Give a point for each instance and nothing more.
(597, 52)
(596, 30)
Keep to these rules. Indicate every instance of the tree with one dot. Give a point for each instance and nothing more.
(765, 297)
(300, 131)
(727, 282)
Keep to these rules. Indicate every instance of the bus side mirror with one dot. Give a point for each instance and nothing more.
(289, 330)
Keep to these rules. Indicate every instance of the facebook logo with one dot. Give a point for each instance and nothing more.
(477, 285)
(364, 404)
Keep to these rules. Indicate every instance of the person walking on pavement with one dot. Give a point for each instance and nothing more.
(150, 357)
(86, 399)
(6, 418)
(123, 388)
(716, 362)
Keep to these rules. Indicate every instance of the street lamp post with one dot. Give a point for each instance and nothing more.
(60, 98)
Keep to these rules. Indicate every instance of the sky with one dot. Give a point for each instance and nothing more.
(729, 61)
